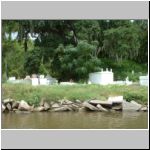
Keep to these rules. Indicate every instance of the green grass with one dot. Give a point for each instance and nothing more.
(33, 95)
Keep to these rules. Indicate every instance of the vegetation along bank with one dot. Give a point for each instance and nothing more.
(73, 98)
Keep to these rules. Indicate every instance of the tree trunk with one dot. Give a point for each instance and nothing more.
(75, 38)
(26, 42)
(74, 34)
(117, 58)
(6, 69)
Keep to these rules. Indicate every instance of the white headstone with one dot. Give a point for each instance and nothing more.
(127, 79)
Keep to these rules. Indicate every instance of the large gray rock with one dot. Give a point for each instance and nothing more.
(8, 100)
(82, 109)
(46, 106)
(40, 108)
(117, 107)
(78, 101)
(96, 102)
(55, 105)
(66, 102)
(137, 104)
(63, 108)
(130, 106)
(8, 106)
(24, 106)
(144, 108)
(42, 102)
(3, 108)
(32, 108)
(5, 101)
(52, 102)
(115, 99)
(15, 104)
(15, 109)
(74, 107)
(101, 108)
(90, 107)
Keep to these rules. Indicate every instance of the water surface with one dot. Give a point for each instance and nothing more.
(75, 120)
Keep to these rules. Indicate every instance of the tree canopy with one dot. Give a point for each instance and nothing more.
(71, 49)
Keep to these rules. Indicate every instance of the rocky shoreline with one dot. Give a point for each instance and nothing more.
(112, 104)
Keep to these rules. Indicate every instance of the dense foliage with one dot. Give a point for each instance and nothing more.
(71, 49)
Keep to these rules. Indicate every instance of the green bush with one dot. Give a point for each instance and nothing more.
(125, 69)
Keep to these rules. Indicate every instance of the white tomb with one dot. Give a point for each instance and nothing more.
(12, 78)
(103, 77)
(127, 82)
(67, 83)
(43, 81)
(41, 76)
(35, 81)
(143, 80)
(119, 82)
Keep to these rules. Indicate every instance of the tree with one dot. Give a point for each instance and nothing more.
(75, 62)
(71, 48)
(143, 50)
(122, 42)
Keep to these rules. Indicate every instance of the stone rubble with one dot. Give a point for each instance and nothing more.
(112, 104)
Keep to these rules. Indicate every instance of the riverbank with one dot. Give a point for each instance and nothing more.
(58, 98)
(33, 95)
(116, 103)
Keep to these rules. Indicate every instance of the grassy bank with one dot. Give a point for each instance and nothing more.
(33, 95)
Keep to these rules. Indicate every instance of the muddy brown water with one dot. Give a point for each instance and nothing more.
(75, 120)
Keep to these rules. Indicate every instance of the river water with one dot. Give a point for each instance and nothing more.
(75, 120)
